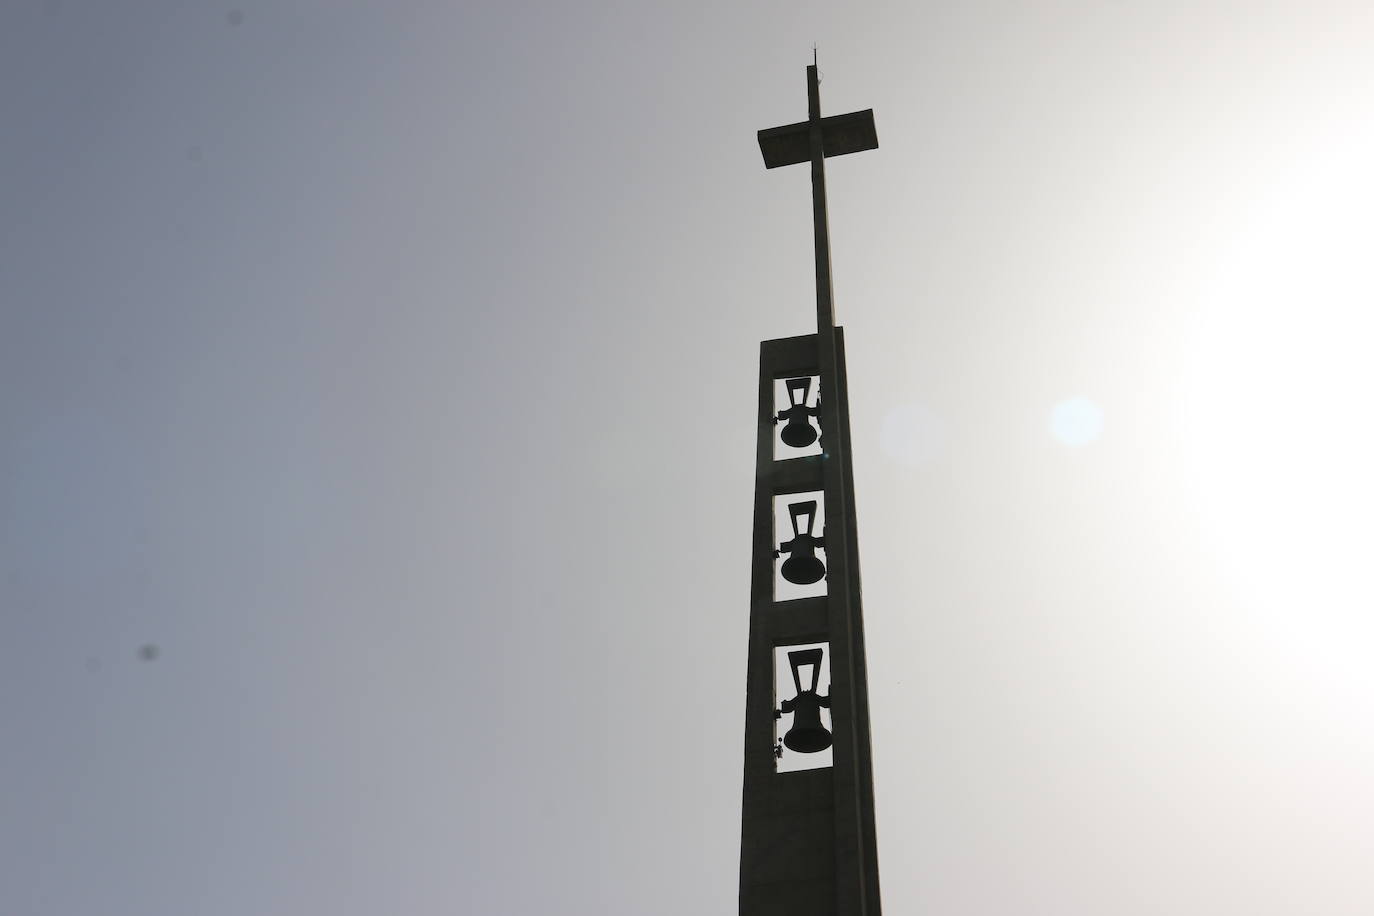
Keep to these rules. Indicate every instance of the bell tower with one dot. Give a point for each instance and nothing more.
(807, 838)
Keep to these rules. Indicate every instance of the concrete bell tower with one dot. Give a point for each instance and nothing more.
(807, 838)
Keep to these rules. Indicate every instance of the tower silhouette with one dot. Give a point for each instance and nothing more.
(807, 844)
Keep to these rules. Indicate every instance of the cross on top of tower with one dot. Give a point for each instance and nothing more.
(814, 140)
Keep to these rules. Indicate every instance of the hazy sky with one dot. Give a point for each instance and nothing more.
(391, 368)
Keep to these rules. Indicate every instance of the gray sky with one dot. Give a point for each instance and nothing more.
(391, 368)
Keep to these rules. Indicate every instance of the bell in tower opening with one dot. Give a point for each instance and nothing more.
(802, 566)
(808, 735)
(800, 430)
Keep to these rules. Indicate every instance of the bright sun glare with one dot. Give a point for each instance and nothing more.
(1278, 387)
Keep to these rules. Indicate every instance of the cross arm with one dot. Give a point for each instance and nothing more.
(840, 134)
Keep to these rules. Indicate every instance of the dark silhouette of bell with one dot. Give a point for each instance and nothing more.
(803, 570)
(807, 734)
(799, 433)
(802, 566)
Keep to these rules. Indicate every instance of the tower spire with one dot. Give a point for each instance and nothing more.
(808, 845)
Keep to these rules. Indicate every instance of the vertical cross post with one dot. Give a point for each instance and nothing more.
(815, 135)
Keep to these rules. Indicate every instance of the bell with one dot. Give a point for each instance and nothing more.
(802, 567)
(798, 433)
(807, 734)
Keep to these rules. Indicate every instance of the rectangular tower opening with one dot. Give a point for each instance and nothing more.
(798, 539)
(801, 686)
(796, 412)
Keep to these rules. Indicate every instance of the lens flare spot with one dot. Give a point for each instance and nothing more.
(1076, 422)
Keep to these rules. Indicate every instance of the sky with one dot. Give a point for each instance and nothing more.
(377, 391)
